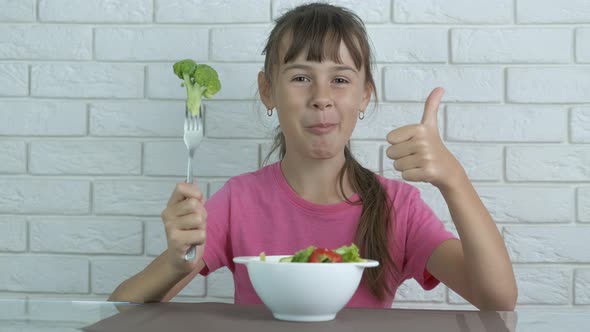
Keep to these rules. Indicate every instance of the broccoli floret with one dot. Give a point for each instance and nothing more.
(200, 81)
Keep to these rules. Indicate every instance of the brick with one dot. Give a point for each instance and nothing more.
(85, 157)
(238, 81)
(582, 286)
(543, 285)
(583, 204)
(462, 84)
(367, 154)
(46, 42)
(220, 284)
(13, 234)
(583, 45)
(96, 11)
(204, 11)
(557, 244)
(548, 163)
(212, 158)
(87, 80)
(155, 237)
(107, 273)
(238, 119)
(238, 44)
(151, 44)
(411, 291)
(501, 123)
(548, 85)
(137, 119)
(374, 11)
(552, 11)
(522, 45)
(481, 162)
(453, 11)
(580, 125)
(34, 196)
(86, 235)
(512, 204)
(12, 308)
(409, 44)
(13, 158)
(17, 10)
(14, 80)
(143, 198)
(40, 118)
(65, 275)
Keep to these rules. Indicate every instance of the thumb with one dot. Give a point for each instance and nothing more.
(429, 117)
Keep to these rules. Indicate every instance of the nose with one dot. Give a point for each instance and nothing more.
(322, 98)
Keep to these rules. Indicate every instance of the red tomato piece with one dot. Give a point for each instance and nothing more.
(323, 255)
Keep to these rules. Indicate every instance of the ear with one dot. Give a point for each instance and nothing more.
(265, 91)
(366, 96)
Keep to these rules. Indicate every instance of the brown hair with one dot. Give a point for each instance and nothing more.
(319, 28)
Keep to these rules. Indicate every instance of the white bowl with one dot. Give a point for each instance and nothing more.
(305, 292)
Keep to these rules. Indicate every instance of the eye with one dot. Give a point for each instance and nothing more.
(341, 80)
(300, 79)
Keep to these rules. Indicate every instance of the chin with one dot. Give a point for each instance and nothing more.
(323, 154)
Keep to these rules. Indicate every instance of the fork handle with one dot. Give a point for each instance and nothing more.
(189, 171)
(191, 252)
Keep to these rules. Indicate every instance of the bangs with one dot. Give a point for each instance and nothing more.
(320, 35)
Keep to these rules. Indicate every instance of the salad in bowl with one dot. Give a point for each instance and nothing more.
(311, 285)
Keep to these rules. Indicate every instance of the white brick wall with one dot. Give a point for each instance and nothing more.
(91, 117)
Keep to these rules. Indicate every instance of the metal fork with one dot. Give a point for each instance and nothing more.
(193, 135)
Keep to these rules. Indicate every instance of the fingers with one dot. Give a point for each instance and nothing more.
(188, 206)
(408, 163)
(403, 149)
(404, 133)
(191, 221)
(429, 117)
(183, 191)
(414, 175)
(187, 238)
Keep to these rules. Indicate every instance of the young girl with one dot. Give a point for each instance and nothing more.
(317, 79)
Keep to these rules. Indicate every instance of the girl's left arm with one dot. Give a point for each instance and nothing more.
(478, 266)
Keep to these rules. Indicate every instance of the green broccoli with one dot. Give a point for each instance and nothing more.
(200, 81)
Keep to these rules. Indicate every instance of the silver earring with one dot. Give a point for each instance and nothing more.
(269, 112)
(361, 115)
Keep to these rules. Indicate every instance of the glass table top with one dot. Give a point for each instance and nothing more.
(38, 315)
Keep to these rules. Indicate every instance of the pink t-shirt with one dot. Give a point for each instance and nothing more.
(259, 211)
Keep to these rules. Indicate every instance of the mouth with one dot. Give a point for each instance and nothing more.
(321, 128)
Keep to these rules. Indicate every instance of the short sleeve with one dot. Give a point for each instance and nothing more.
(217, 244)
(425, 232)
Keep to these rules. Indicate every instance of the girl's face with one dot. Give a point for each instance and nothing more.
(317, 103)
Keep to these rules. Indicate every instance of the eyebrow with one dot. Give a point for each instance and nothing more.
(307, 67)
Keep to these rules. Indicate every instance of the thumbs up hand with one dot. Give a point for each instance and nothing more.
(419, 153)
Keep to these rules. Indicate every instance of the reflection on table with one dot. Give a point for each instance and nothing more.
(60, 315)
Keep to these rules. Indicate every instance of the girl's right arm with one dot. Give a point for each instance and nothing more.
(185, 223)
(158, 282)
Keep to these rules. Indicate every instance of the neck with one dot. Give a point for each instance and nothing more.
(317, 180)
